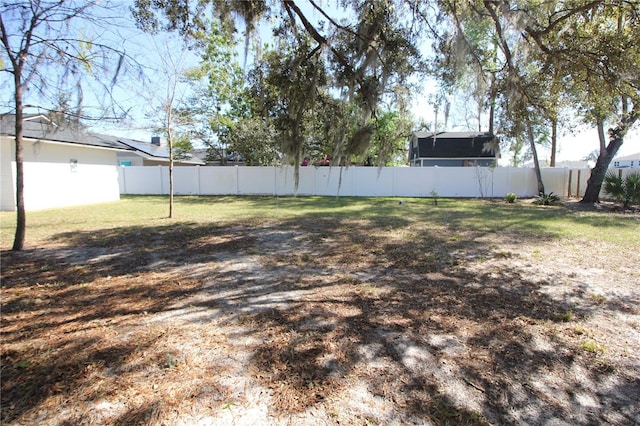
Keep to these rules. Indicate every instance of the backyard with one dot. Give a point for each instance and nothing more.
(321, 310)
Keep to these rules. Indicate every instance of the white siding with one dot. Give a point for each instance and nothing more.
(59, 175)
(7, 173)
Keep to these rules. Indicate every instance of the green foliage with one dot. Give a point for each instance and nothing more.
(434, 197)
(284, 88)
(567, 316)
(545, 199)
(182, 147)
(614, 185)
(388, 144)
(218, 68)
(593, 347)
(511, 198)
(626, 190)
(255, 141)
(220, 97)
(321, 85)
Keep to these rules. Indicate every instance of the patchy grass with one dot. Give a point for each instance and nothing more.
(452, 214)
(591, 346)
(333, 310)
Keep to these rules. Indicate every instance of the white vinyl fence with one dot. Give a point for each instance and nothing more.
(353, 181)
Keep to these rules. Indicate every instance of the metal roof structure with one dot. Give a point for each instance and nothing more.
(449, 145)
(451, 135)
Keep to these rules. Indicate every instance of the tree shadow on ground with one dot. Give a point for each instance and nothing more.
(377, 309)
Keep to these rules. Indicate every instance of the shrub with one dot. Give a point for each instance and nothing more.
(434, 196)
(511, 198)
(625, 190)
(546, 199)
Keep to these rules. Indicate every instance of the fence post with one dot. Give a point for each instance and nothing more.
(569, 186)
(394, 180)
(578, 184)
(199, 188)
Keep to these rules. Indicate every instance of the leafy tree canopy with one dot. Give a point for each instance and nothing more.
(360, 58)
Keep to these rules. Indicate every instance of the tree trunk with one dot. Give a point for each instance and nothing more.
(601, 136)
(554, 141)
(21, 224)
(616, 138)
(492, 102)
(594, 184)
(170, 176)
(534, 153)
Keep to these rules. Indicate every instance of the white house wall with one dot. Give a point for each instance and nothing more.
(135, 160)
(59, 175)
(7, 173)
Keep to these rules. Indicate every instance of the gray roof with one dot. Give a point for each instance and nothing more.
(450, 135)
(39, 127)
(151, 151)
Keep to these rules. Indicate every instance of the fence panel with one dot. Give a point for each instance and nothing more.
(186, 180)
(307, 183)
(374, 181)
(414, 181)
(555, 180)
(142, 180)
(257, 180)
(355, 181)
(218, 180)
(334, 181)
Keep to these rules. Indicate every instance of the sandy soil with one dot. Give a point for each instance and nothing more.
(288, 323)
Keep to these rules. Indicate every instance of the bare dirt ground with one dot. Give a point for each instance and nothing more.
(313, 322)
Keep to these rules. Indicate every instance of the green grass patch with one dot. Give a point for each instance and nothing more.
(453, 215)
(593, 347)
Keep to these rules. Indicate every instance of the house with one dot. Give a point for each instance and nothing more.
(218, 157)
(155, 153)
(63, 166)
(452, 149)
(630, 161)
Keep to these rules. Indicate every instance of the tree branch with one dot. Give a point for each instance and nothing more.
(321, 39)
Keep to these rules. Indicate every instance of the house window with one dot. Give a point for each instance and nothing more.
(616, 164)
(125, 163)
(631, 163)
